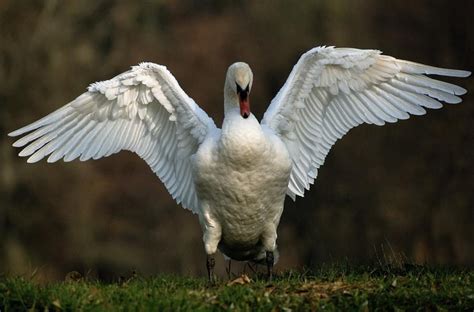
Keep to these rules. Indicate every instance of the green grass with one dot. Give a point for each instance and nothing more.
(331, 288)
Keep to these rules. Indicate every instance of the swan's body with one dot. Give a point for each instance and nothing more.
(241, 177)
(236, 178)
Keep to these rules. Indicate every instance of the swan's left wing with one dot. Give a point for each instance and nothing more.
(330, 91)
(143, 110)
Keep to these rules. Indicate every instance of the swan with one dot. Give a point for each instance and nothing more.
(236, 178)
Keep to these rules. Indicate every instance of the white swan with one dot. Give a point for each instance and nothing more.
(236, 178)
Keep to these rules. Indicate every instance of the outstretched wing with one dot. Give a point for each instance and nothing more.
(330, 91)
(143, 110)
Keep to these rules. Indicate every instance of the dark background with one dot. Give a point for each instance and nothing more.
(403, 191)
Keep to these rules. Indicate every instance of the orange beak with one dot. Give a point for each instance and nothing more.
(244, 107)
(244, 102)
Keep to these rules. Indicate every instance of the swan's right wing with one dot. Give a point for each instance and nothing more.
(143, 110)
(330, 91)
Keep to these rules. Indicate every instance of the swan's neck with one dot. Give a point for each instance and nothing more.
(231, 100)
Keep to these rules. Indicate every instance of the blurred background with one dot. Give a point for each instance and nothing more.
(403, 190)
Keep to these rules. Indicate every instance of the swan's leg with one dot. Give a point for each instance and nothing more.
(212, 236)
(228, 269)
(269, 243)
(211, 240)
(269, 260)
(210, 263)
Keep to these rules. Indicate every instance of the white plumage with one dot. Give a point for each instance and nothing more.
(236, 178)
(136, 111)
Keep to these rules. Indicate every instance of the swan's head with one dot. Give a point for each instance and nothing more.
(238, 84)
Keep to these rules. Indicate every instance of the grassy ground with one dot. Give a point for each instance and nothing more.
(329, 289)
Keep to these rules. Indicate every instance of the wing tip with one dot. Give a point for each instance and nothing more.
(15, 133)
(448, 72)
(463, 73)
(454, 73)
(18, 143)
(32, 159)
(457, 100)
(460, 90)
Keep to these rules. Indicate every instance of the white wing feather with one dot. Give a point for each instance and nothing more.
(330, 91)
(143, 110)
